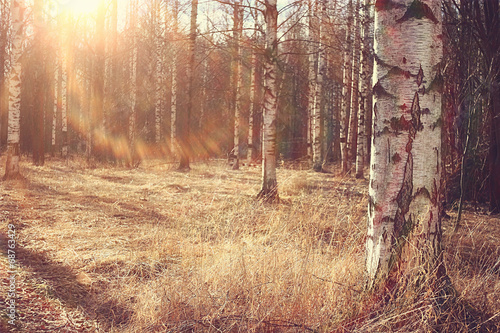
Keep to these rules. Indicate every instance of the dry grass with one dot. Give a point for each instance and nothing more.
(151, 249)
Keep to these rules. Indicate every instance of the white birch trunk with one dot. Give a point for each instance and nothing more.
(312, 50)
(352, 137)
(317, 116)
(56, 103)
(185, 137)
(64, 105)
(364, 84)
(133, 84)
(253, 86)
(239, 81)
(269, 190)
(346, 92)
(158, 69)
(173, 101)
(404, 228)
(14, 121)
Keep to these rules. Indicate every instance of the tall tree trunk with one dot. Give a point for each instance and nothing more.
(174, 72)
(495, 146)
(404, 226)
(346, 92)
(238, 29)
(312, 50)
(253, 87)
(158, 68)
(4, 28)
(316, 116)
(40, 88)
(352, 137)
(133, 86)
(269, 191)
(13, 134)
(364, 94)
(64, 104)
(98, 114)
(57, 94)
(185, 137)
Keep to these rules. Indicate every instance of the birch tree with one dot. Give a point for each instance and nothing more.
(238, 30)
(185, 135)
(312, 50)
(173, 83)
(364, 85)
(157, 26)
(254, 84)
(13, 134)
(404, 228)
(133, 83)
(40, 79)
(346, 92)
(269, 191)
(352, 135)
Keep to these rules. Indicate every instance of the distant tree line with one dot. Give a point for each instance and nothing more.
(176, 79)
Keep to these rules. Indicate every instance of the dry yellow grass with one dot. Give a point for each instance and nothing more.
(152, 250)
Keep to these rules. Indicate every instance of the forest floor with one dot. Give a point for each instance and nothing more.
(151, 249)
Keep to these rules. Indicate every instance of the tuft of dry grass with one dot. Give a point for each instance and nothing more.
(152, 250)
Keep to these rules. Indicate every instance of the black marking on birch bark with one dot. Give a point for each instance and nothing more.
(416, 113)
(388, 151)
(397, 71)
(387, 5)
(380, 62)
(396, 158)
(404, 198)
(437, 84)
(420, 76)
(371, 204)
(399, 125)
(379, 91)
(418, 10)
(437, 123)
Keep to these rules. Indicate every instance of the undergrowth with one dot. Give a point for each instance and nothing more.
(153, 250)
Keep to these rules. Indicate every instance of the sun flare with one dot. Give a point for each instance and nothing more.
(80, 6)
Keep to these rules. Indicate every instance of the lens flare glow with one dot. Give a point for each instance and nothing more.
(80, 6)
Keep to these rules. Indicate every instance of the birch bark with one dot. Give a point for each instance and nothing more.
(13, 133)
(404, 228)
(238, 17)
(346, 92)
(269, 191)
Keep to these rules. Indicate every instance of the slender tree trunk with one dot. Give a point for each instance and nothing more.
(364, 94)
(40, 88)
(13, 134)
(238, 26)
(64, 104)
(88, 108)
(158, 69)
(133, 86)
(174, 71)
(185, 137)
(404, 227)
(312, 50)
(253, 87)
(346, 92)
(352, 137)
(495, 146)
(269, 191)
(99, 114)
(57, 94)
(4, 28)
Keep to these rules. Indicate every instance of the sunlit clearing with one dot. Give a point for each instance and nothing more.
(80, 6)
